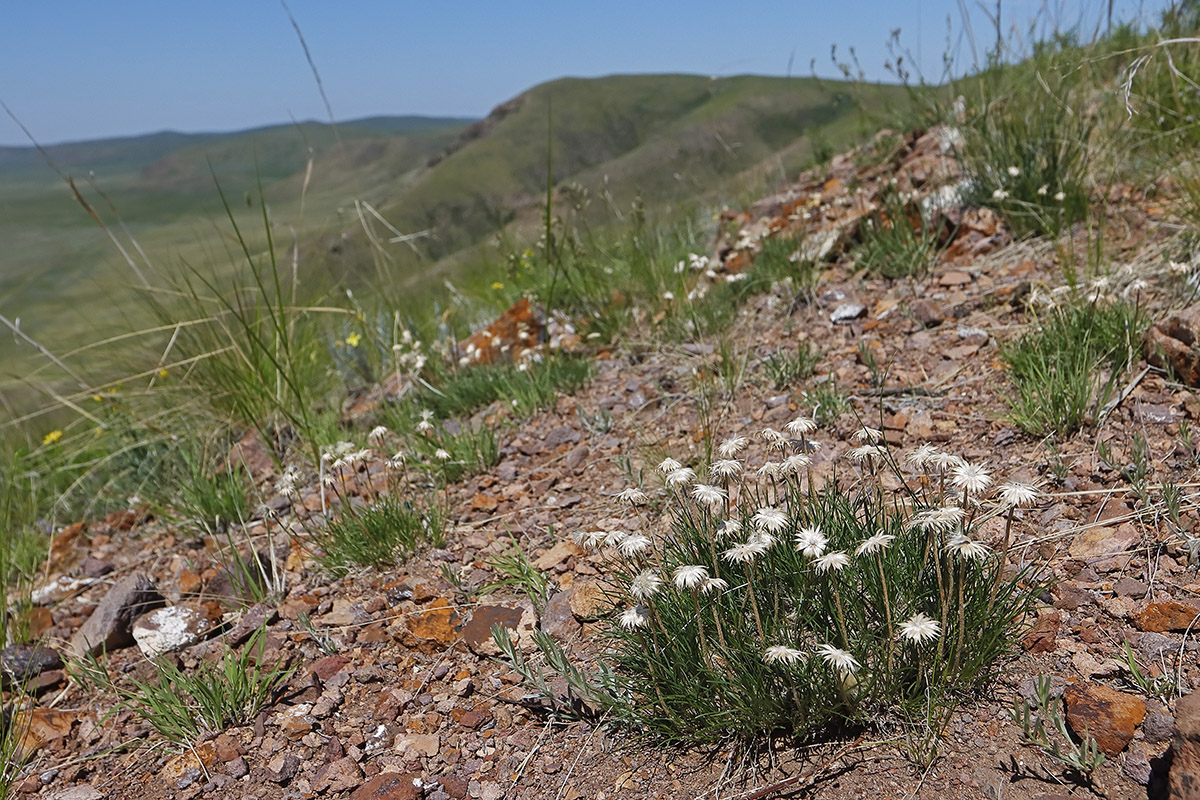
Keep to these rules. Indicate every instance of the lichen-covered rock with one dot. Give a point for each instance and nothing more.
(166, 630)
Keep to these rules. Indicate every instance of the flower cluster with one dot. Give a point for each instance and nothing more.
(824, 594)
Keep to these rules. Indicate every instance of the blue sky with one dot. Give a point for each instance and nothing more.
(73, 70)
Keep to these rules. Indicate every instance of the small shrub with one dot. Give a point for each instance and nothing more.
(1056, 368)
(378, 535)
(518, 571)
(787, 368)
(896, 241)
(214, 697)
(773, 607)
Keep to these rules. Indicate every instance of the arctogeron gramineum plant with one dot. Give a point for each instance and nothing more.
(773, 604)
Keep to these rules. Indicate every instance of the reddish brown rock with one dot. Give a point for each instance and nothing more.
(40, 727)
(477, 633)
(391, 786)
(1167, 615)
(1105, 714)
(484, 502)
(329, 666)
(252, 454)
(338, 776)
(515, 331)
(1185, 750)
(1172, 344)
(1042, 637)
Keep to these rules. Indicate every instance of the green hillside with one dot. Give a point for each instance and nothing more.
(673, 138)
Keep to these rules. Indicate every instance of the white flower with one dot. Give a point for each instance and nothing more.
(633, 544)
(770, 519)
(1000, 194)
(868, 452)
(634, 618)
(875, 544)
(800, 426)
(708, 495)
(811, 542)
(743, 553)
(1018, 495)
(1060, 196)
(725, 468)
(944, 519)
(690, 576)
(377, 434)
(795, 463)
(634, 496)
(668, 296)
(441, 455)
(946, 461)
(778, 654)
(835, 561)
(732, 446)
(645, 585)
(919, 628)
(771, 469)
(589, 539)
(730, 527)
(868, 435)
(838, 659)
(971, 477)
(680, 477)
(614, 538)
(773, 437)
(425, 426)
(668, 465)
(1014, 171)
(1043, 190)
(717, 585)
(921, 457)
(966, 547)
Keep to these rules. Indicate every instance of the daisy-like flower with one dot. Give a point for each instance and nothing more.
(868, 435)
(919, 628)
(634, 618)
(770, 519)
(1000, 194)
(778, 654)
(377, 434)
(972, 478)
(396, 461)
(633, 544)
(876, 544)
(771, 469)
(800, 426)
(732, 446)
(921, 457)
(690, 576)
(711, 585)
(796, 463)
(946, 461)
(773, 437)
(868, 452)
(1014, 171)
(835, 562)
(839, 659)
(358, 456)
(668, 465)
(966, 547)
(645, 585)
(725, 468)
(680, 477)
(614, 538)
(743, 553)
(426, 423)
(1043, 190)
(1060, 196)
(589, 539)
(944, 519)
(811, 542)
(441, 454)
(727, 528)
(634, 496)
(763, 540)
(1018, 495)
(708, 495)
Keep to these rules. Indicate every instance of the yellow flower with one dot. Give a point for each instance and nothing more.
(51, 437)
(353, 339)
(497, 285)
(162, 373)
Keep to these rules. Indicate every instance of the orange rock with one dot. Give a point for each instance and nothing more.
(40, 727)
(1167, 615)
(1109, 716)
(484, 502)
(432, 629)
(62, 546)
(202, 756)
(515, 331)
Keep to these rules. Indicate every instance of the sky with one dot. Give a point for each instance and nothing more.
(74, 70)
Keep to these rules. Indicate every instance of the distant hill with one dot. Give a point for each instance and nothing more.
(673, 139)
